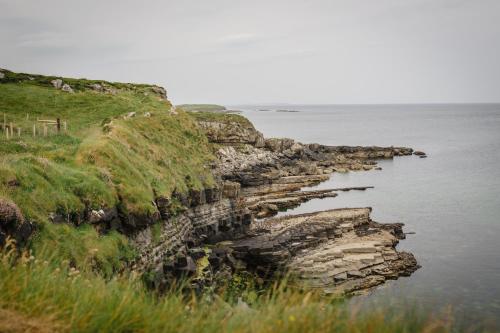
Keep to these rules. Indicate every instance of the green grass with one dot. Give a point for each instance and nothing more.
(102, 161)
(94, 164)
(77, 301)
(221, 118)
(84, 249)
(201, 107)
(77, 84)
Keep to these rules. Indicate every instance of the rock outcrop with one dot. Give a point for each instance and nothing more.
(12, 223)
(252, 166)
(167, 247)
(232, 132)
(341, 251)
(209, 234)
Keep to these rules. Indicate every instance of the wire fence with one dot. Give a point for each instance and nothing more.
(35, 128)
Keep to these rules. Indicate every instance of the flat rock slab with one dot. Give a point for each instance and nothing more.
(319, 251)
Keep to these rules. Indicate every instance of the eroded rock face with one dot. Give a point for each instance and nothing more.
(232, 133)
(341, 250)
(282, 159)
(160, 91)
(167, 246)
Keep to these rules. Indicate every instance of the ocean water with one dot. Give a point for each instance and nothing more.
(450, 200)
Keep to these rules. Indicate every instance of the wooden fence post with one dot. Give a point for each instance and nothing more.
(58, 125)
(18, 132)
(34, 129)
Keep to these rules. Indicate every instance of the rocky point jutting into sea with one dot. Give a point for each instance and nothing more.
(342, 251)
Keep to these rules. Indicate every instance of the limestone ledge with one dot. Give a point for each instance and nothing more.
(341, 251)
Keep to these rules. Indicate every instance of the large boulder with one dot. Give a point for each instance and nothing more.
(279, 145)
(97, 87)
(57, 83)
(160, 91)
(10, 215)
(232, 132)
(12, 223)
(67, 88)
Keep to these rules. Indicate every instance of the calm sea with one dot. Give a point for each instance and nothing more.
(451, 200)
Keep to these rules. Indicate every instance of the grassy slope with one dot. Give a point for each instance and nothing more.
(69, 300)
(102, 161)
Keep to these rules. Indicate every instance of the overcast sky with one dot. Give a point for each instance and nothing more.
(229, 52)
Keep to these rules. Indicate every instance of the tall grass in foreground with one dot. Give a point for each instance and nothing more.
(50, 297)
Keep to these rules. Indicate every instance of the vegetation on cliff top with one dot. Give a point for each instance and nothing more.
(224, 118)
(103, 160)
(201, 107)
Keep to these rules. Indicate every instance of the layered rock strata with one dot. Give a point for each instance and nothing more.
(340, 251)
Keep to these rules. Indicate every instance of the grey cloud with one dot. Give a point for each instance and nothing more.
(235, 51)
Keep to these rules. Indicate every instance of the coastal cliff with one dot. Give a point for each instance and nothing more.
(181, 195)
(341, 251)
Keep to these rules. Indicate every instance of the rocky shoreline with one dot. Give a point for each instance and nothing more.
(212, 234)
(229, 229)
